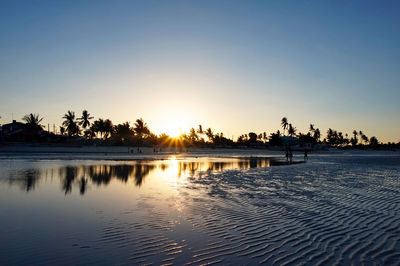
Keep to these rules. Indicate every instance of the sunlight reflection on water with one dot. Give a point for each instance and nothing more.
(83, 173)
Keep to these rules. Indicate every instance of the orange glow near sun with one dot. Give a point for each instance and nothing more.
(174, 124)
(173, 129)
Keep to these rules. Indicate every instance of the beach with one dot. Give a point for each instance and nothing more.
(201, 207)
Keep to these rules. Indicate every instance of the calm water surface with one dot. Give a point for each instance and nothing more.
(337, 209)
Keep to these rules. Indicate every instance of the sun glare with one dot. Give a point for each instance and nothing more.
(174, 124)
(173, 129)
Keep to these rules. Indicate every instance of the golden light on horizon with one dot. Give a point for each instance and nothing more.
(172, 129)
(174, 123)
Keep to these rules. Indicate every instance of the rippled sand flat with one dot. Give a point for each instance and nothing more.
(331, 210)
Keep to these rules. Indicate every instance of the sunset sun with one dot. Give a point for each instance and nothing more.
(173, 129)
(174, 123)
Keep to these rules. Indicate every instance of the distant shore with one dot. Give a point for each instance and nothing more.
(134, 152)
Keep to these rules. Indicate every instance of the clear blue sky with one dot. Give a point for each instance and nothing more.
(235, 66)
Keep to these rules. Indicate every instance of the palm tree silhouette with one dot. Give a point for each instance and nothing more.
(84, 119)
(193, 135)
(90, 133)
(317, 135)
(373, 141)
(141, 129)
(98, 127)
(284, 123)
(104, 127)
(354, 140)
(355, 133)
(123, 131)
(62, 130)
(108, 128)
(291, 130)
(200, 129)
(200, 133)
(210, 135)
(70, 123)
(33, 121)
(364, 138)
(311, 128)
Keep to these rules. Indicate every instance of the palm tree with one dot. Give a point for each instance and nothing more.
(102, 127)
(373, 141)
(33, 121)
(84, 119)
(97, 127)
(364, 138)
(70, 123)
(291, 130)
(330, 136)
(123, 131)
(62, 130)
(200, 129)
(141, 129)
(340, 138)
(354, 140)
(317, 134)
(90, 133)
(210, 135)
(108, 128)
(200, 133)
(193, 135)
(311, 128)
(284, 124)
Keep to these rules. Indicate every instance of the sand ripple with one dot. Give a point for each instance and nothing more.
(338, 213)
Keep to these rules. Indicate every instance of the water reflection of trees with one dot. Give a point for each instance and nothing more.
(70, 173)
(29, 182)
(82, 176)
(102, 175)
(25, 179)
(199, 167)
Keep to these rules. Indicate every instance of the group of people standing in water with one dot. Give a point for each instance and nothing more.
(289, 155)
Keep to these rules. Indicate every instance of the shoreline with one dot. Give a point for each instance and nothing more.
(38, 148)
(118, 153)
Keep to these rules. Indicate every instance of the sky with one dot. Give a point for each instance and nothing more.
(234, 66)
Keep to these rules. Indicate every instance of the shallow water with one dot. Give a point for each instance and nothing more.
(334, 209)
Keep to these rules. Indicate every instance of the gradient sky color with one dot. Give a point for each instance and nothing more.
(234, 66)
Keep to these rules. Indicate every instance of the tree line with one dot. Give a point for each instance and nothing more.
(103, 130)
